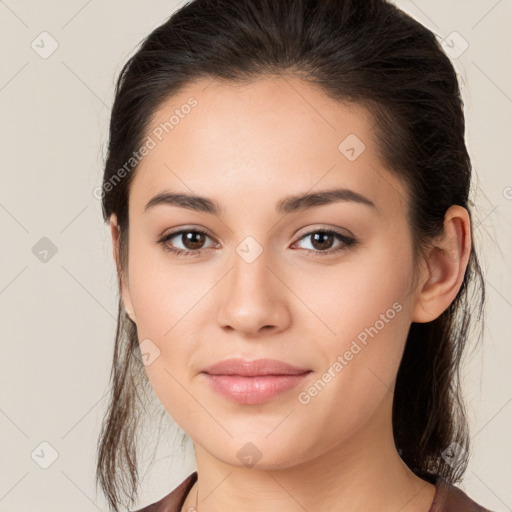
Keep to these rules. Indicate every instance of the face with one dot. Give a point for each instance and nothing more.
(323, 285)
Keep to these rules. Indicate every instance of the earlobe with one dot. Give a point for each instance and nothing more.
(130, 315)
(115, 231)
(444, 267)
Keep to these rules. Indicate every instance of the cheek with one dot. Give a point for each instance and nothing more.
(369, 323)
(165, 295)
(167, 305)
(365, 317)
(352, 295)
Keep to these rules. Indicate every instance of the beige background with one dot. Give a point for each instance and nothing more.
(58, 316)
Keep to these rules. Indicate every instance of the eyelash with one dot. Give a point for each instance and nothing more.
(348, 242)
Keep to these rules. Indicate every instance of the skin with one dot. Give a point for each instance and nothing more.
(247, 147)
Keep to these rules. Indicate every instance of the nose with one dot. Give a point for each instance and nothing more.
(253, 298)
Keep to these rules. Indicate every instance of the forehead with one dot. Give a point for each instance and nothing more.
(272, 137)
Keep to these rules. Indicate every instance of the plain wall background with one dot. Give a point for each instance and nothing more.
(58, 317)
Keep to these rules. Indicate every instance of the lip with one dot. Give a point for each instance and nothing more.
(253, 382)
(255, 368)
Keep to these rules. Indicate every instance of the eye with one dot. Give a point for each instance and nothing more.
(192, 242)
(194, 239)
(322, 241)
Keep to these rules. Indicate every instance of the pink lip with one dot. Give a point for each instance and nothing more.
(253, 382)
(257, 367)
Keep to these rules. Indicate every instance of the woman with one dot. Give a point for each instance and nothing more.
(287, 189)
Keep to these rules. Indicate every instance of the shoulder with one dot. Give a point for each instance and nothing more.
(174, 500)
(449, 498)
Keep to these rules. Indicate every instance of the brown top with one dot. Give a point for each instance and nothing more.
(447, 498)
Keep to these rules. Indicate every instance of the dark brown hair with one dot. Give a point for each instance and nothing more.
(369, 53)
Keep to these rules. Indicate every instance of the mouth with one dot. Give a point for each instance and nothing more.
(253, 390)
(255, 368)
(253, 382)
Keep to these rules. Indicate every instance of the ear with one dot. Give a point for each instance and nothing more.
(115, 231)
(444, 267)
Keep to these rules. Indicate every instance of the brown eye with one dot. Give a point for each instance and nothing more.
(322, 240)
(191, 240)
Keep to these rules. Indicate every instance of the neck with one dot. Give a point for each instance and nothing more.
(363, 472)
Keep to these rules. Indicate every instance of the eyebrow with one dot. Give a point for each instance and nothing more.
(290, 204)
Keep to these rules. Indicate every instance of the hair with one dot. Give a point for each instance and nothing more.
(369, 54)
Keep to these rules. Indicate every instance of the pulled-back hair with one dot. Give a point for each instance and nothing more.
(369, 53)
